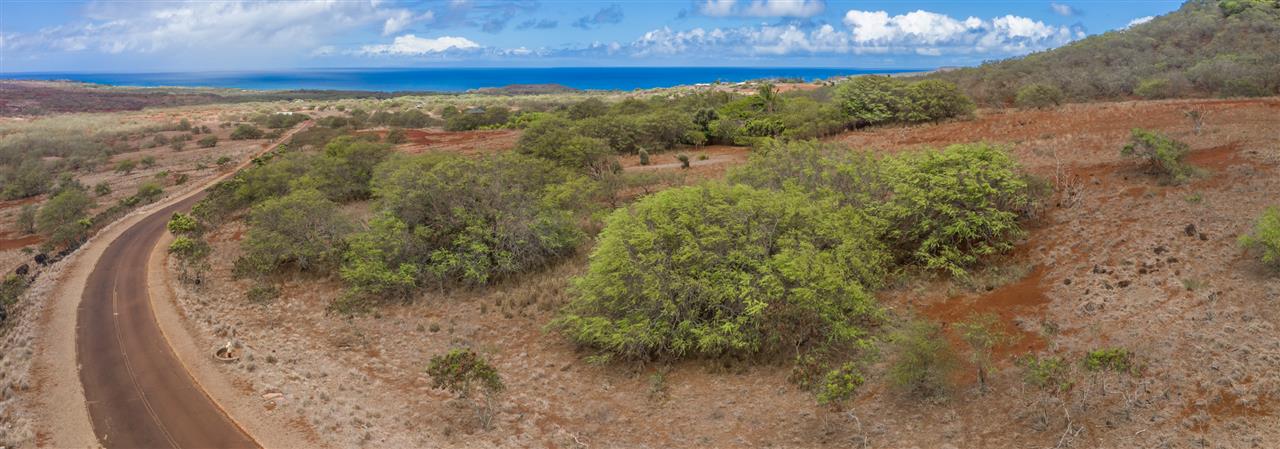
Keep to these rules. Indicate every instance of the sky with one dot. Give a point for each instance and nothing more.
(242, 35)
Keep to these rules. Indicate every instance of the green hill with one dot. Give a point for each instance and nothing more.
(1205, 48)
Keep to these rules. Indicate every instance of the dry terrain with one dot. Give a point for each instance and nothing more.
(1116, 259)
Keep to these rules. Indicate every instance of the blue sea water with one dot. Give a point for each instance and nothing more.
(451, 79)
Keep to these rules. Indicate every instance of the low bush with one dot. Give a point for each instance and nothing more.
(1162, 154)
(1108, 359)
(949, 208)
(26, 221)
(1050, 373)
(1039, 96)
(345, 169)
(469, 377)
(64, 218)
(303, 230)
(246, 132)
(923, 361)
(718, 269)
(28, 179)
(207, 142)
(840, 385)
(446, 219)
(1265, 237)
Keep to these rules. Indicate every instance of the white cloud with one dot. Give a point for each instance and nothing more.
(925, 32)
(718, 8)
(785, 8)
(403, 18)
(410, 45)
(239, 26)
(763, 8)
(1062, 9)
(1139, 21)
(866, 32)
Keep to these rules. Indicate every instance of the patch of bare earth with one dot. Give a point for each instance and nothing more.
(1113, 263)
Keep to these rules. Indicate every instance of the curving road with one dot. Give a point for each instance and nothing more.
(138, 393)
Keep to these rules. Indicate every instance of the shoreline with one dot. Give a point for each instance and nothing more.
(209, 82)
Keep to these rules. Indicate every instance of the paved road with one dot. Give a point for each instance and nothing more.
(139, 395)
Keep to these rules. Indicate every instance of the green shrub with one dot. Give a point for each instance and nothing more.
(207, 142)
(246, 132)
(126, 166)
(183, 224)
(222, 161)
(1265, 237)
(102, 189)
(191, 253)
(870, 100)
(470, 377)
(684, 160)
(302, 229)
(1155, 89)
(949, 208)
(396, 136)
(147, 161)
(819, 169)
(62, 218)
(644, 157)
(11, 288)
(345, 169)
(840, 385)
(28, 179)
(262, 292)
(449, 219)
(1162, 154)
(148, 192)
(1039, 96)
(1046, 372)
(982, 333)
(933, 100)
(26, 221)
(1108, 359)
(717, 269)
(923, 361)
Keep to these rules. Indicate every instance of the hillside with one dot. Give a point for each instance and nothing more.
(1205, 48)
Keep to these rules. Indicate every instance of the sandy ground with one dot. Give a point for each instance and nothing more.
(1110, 262)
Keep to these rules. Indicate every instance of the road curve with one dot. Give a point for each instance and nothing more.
(139, 394)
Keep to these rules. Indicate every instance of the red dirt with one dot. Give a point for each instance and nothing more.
(1011, 303)
(465, 142)
(19, 242)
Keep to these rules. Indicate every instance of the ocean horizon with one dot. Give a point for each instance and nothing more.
(451, 79)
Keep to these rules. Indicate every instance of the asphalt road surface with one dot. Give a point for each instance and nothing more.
(139, 394)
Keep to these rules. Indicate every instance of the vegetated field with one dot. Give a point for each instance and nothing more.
(1115, 259)
(160, 165)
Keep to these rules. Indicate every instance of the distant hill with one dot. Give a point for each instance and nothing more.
(1205, 48)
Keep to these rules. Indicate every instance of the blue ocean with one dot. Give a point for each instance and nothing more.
(452, 79)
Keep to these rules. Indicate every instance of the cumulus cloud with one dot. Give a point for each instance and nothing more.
(936, 33)
(410, 45)
(1139, 21)
(1063, 9)
(762, 8)
(608, 15)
